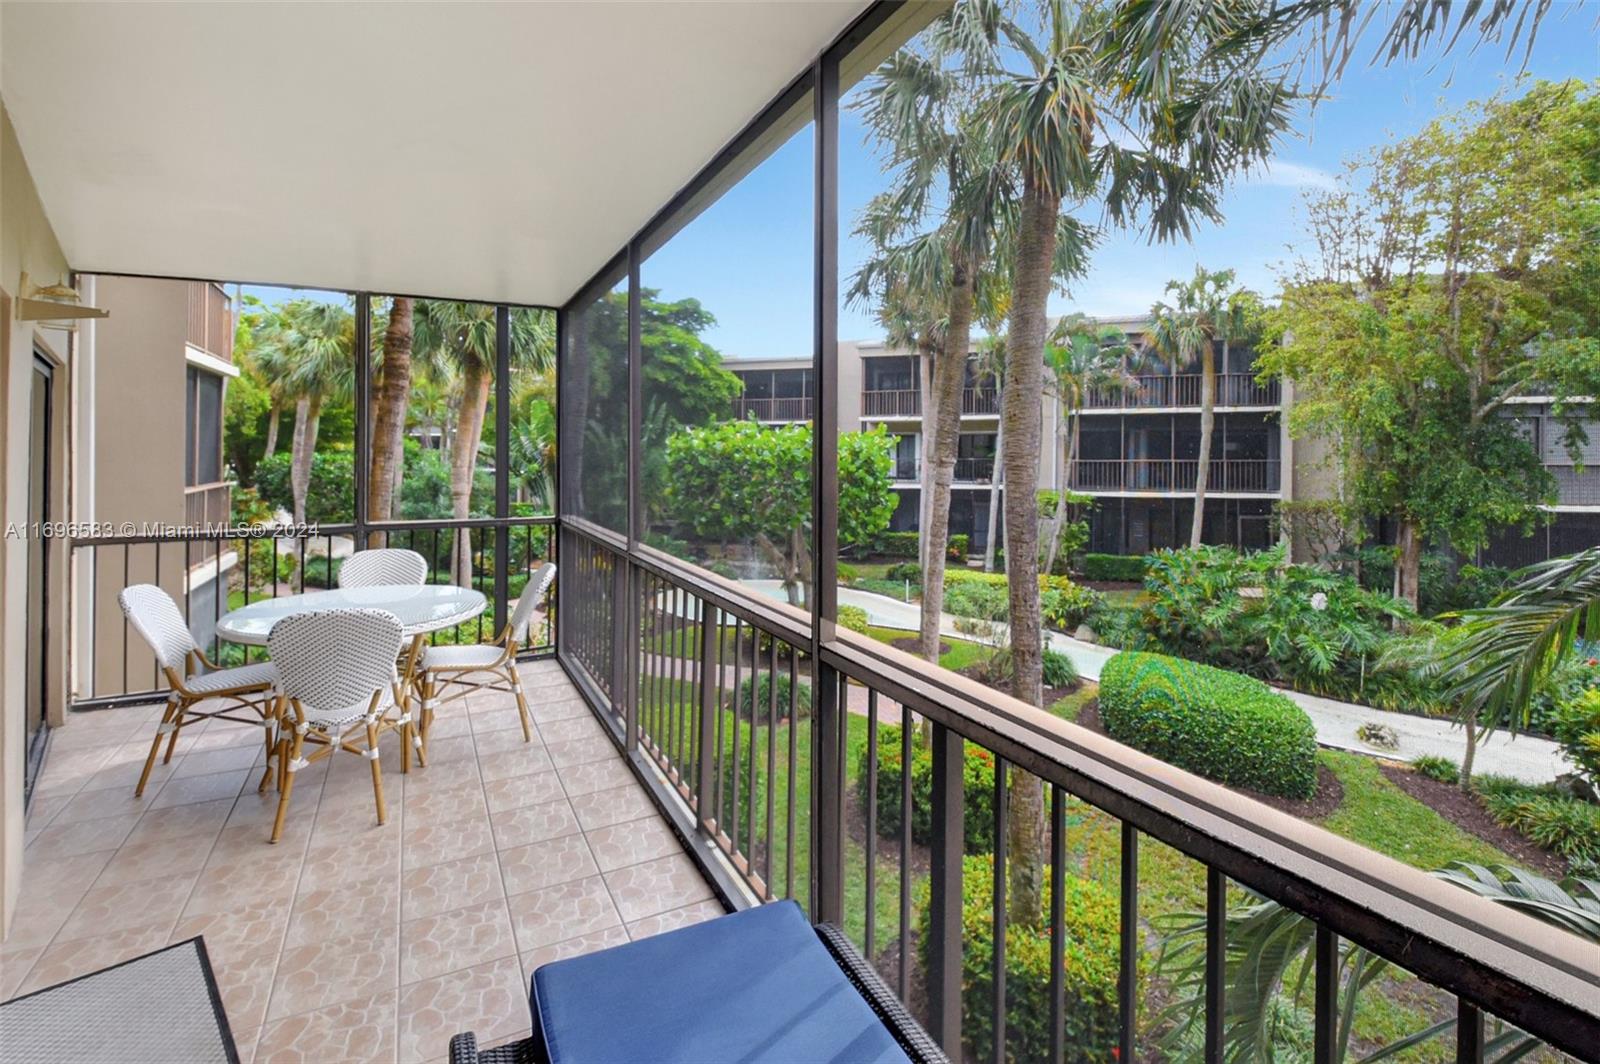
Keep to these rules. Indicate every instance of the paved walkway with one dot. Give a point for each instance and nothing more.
(1523, 757)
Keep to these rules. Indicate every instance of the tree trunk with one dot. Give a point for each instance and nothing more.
(389, 423)
(1465, 782)
(463, 464)
(1059, 518)
(1208, 418)
(307, 412)
(996, 478)
(925, 461)
(1021, 417)
(274, 416)
(950, 374)
(1408, 563)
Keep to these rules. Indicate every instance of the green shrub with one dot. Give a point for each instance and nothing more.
(330, 493)
(321, 571)
(1565, 684)
(763, 687)
(854, 618)
(1123, 567)
(1065, 608)
(1059, 671)
(848, 574)
(1117, 626)
(908, 545)
(1437, 768)
(1090, 919)
(1227, 727)
(977, 791)
(903, 571)
(1568, 827)
(1576, 726)
(983, 602)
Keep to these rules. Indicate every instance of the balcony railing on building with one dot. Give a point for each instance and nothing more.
(1577, 487)
(974, 469)
(210, 320)
(1166, 390)
(783, 409)
(907, 402)
(208, 504)
(1175, 474)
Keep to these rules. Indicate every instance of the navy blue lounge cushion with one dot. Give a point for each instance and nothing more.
(756, 986)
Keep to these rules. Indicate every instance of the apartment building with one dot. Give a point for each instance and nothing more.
(1139, 448)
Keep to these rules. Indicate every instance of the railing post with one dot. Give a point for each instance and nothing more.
(949, 828)
(502, 464)
(828, 785)
(623, 649)
(705, 771)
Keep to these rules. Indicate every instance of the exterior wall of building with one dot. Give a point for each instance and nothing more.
(28, 246)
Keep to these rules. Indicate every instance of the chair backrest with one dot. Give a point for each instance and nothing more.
(390, 565)
(156, 618)
(532, 596)
(331, 659)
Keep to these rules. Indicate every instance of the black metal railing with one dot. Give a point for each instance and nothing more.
(797, 408)
(769, 752)
(1175, 474)
(1146, 391)
(974, 469)
(210, 572)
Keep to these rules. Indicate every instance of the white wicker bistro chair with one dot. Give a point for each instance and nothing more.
(373, 568)
(481, 666)
(336, 680)
(194, 678)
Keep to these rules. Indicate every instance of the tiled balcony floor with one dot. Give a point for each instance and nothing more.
(350, 941)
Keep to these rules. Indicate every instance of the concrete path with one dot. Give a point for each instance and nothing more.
(1524, 757)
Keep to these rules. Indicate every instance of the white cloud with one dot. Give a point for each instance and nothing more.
(1291, 175)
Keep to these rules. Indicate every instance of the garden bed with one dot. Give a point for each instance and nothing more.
(1467, 812)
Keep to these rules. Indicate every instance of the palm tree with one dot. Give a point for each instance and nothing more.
(1078, 123)
(305, 354)
(990, 363)
(389, 419)
(462, 335)
(1079, 356)
(933, 232)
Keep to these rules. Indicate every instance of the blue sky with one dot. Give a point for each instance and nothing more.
(748, 258)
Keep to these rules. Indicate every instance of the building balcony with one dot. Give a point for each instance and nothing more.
(971, 470)
(1577, 487)
(1175, 476)
(907, 403)
(1166, 391)
(208, 504)
(210, 320)
(774, 410)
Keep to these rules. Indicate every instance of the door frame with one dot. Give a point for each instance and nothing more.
(35, 748)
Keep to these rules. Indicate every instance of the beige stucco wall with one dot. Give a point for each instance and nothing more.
(27, 245)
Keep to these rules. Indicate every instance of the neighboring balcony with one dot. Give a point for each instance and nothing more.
(1577, 487)
(210, 320)
(907, 402)
(1175, 475)
(793, 409)
(974, 470)
(1167, 390)
(208, 504)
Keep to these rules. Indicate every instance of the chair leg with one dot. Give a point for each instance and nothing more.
(377, 770)
(269, 738)
(155, 747)
(172, 737)
(522, 702)
(287, 771)
(424, 718)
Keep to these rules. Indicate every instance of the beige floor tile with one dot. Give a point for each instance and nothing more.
(446, 841)
(521, 760)
(603, 808)
(58, 881)
(119, 906)
(656, 886)
(223, 759)
(571, 729)
(339, 861)
(491, 1000)
(517, 791)
(631, 842)
(558, 913)
(203, 788)
(202, 820)
(95, 805)
(438, 888)
(533, 823)
(566, 706)
(438, 805)
(361, 1029)
(155, 859)
(532, 960)
(501, 718)
(331, 912)
(673, 919)
(240, 933)
(580, 750)
(544, 864)
(438, 778)
(89, 836)
(442, 750)
(14, 965)
(80, 956)
(357, 967)
(594, 776)
(498, 742)
(245, 981)
(459, 938)
(221, 887)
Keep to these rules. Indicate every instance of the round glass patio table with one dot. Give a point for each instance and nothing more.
(422, 608)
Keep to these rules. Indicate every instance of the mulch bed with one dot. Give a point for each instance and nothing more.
(1467, 813)
(912, 644)
(1330, 792)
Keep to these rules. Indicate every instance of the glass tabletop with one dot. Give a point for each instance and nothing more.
(421, 608)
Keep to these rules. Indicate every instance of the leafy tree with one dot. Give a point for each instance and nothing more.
(741, 481)
(1205, 311)
(1453, 273)
(304, 348)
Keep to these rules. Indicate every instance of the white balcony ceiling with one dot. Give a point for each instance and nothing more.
(488, 151)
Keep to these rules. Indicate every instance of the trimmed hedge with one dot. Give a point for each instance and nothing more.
(1221, 725)
(1063, 604)
(977, 792)
(1124, 567)
(854, 618)
(1091, 920)
(908, 545)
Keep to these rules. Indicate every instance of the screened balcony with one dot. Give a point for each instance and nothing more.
(702, 746)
